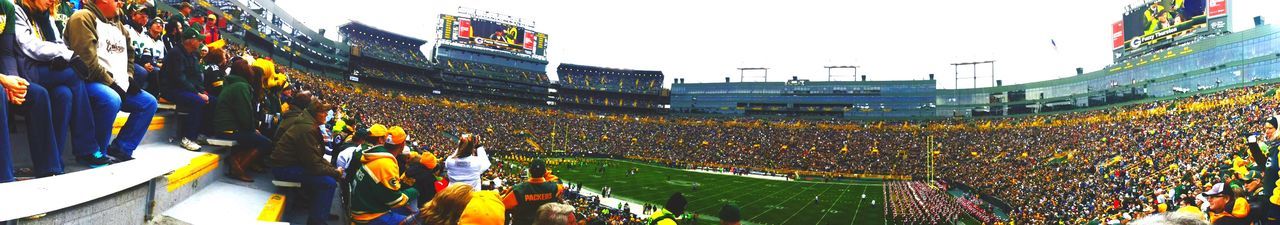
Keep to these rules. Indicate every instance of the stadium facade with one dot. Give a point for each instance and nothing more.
(606, 88)
(1208, 65)
(852, 99)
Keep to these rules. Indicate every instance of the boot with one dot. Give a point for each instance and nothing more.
(255, 164)
(247, 161)
(236, 169)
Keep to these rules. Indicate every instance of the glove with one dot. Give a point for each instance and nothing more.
(59, 63)
(119, 91)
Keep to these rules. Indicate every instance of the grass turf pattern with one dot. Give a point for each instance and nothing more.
(762, 201)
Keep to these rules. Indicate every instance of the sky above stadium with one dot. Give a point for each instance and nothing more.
(705, 41)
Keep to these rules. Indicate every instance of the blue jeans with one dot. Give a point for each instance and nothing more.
(69, 102)
(6, 158)
(140, 74)
(397, 216)
(45, 154)
(191, 103)
(319, 188)
(106, 103)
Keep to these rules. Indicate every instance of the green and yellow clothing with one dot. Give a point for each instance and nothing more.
(376, 188)
(661, 217)
(525, 198)
(1239, 210)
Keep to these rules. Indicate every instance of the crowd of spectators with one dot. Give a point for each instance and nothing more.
(1113, 164)
(475, 69)
(622, 82)
(390, 51)
(1109, 171)
(406, 76)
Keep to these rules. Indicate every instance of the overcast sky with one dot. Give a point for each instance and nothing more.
(705, 41)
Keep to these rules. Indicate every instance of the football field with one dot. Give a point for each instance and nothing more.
(762, 201)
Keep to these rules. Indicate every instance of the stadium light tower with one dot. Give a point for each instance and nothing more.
(975, 72)
(742, 73)
(829, 68)
(957, 66)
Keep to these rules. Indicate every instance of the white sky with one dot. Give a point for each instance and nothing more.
(705, 41)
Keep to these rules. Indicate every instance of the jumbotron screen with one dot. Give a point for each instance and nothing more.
(492, 34)
(1165, 20)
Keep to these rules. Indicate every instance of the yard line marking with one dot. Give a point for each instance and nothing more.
(806, 205)
(833, 205)
(856, 210)
(788, 200)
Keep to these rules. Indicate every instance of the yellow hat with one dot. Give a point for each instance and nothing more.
(397, 135)
(269, 75)
(427, 159)
(377, 130)
(485, 208)
(219, 44)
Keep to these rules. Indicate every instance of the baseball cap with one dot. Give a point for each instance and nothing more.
(191, 32)
(378, 130)
(1218, 189)
(537, 168)
(1251, 175)
(485, 208)
(134, 7)
(397, 135)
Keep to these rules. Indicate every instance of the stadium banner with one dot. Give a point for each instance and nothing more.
(1217, 8)
(446, 26)
(1117, 35)
(529, 40)
(542, 44)
(1163, 20)
(464, 28)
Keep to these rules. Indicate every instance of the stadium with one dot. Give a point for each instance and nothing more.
(248, 112)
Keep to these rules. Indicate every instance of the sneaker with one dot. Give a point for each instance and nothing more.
(190, 145)
(202, 139)
(118, 155)
(94, 161)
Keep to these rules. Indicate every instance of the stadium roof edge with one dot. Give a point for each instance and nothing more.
(1203, 44)
(873, 82)
(412, 40)
(608, 68)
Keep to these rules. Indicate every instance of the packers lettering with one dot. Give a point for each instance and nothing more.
(537, 197)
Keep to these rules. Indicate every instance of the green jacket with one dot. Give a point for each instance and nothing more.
(234, 111)
(272, 101)
(298, 143)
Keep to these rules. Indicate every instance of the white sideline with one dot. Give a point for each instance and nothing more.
(732, 174)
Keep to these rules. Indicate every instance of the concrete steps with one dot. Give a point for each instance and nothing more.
(161, 176)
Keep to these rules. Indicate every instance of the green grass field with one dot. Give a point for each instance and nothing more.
(762, 201)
